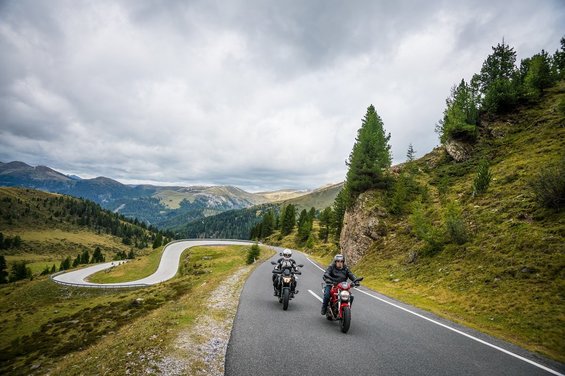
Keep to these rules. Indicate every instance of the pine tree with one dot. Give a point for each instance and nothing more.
(65, 264)
(158, 241)
(538, 76)
(495, 80)
(3, 270)
(483, 178)
(267, 225)
(97, 256)
(289, 220)
(85, 257)
(410, 154)
(370, 158)
(326, 218)
(461, 115)
(339, 212)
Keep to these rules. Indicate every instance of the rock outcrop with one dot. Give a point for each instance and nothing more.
(362, 225)
(458, 150)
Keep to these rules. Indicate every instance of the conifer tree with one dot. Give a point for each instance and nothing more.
(370, 158)
(326, 217)
(3, 270)
(289, 220)
(495, 80)
(538, 76)
(267, 225)
(461, 115)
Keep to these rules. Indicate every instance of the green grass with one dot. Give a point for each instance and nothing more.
(138, 268)
(71, 331)
(508, 279)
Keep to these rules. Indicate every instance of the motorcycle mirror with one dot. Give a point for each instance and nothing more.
(300, 265)
(274, 262)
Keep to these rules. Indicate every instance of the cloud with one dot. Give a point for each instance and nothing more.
(262, 95)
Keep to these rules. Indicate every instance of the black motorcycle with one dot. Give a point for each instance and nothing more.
(286, 281)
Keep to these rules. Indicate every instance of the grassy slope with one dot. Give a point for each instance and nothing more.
(47, 239)
(509, 278)
(49, 328)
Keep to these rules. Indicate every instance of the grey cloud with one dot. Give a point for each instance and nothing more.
(248, 93)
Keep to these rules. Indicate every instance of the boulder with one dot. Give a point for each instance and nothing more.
(458, 150)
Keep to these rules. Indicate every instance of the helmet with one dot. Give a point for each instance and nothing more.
(339, 257)
(287, 253)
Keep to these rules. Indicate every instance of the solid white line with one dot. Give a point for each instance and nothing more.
(450, 328)
(315, 295)
(466, 335)
(316, 265)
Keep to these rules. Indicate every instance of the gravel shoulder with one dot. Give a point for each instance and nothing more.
(201, 350)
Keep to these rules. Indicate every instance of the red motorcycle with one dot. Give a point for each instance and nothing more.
(340, 303)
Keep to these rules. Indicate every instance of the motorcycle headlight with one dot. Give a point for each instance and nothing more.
(286, 279)
(345, 295)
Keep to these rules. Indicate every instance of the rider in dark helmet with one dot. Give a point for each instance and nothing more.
(335, 273)
(287, 257)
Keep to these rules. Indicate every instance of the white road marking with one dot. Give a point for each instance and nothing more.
(448, 327)
(315, 295)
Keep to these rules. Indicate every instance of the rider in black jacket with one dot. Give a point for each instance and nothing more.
(287, 254)
(335, 273)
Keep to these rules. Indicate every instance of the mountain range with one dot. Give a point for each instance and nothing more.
(161, 206)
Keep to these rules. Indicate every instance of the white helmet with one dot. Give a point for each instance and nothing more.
(287, 253)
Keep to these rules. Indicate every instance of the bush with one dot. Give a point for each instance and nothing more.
(454, 224)
(549, 187)
(253, 254)
(483, 178)
(425, 230)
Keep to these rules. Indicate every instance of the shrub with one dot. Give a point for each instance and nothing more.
(253, 254)
(425, 230)
(549, 187)
(454, 223)
(483, 178)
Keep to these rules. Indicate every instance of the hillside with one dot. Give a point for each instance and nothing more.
(166, 207)
(496, 260)
(237, 224)
(52, 227)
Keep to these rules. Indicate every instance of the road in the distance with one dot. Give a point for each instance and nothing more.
(167, 269)
(386, 338)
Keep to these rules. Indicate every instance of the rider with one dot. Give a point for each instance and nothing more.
(287, 256)
(335, 273)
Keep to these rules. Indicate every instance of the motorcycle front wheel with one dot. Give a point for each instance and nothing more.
(285, 298)
(345, 320)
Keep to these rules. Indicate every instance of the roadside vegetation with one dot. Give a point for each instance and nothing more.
(50, 328)
(479, 240)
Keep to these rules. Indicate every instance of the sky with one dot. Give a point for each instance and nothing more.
(259, 94)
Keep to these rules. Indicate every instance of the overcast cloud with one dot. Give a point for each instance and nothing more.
(257, 94)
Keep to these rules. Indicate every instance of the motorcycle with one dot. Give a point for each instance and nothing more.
(340, 303)
(286, 282)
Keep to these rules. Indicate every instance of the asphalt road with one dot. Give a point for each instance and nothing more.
(386, 337)
(167, 269)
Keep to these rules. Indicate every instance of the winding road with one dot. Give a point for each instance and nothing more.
(167, 269)
(386, 337)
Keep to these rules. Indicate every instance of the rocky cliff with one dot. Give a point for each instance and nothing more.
(363, 224)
